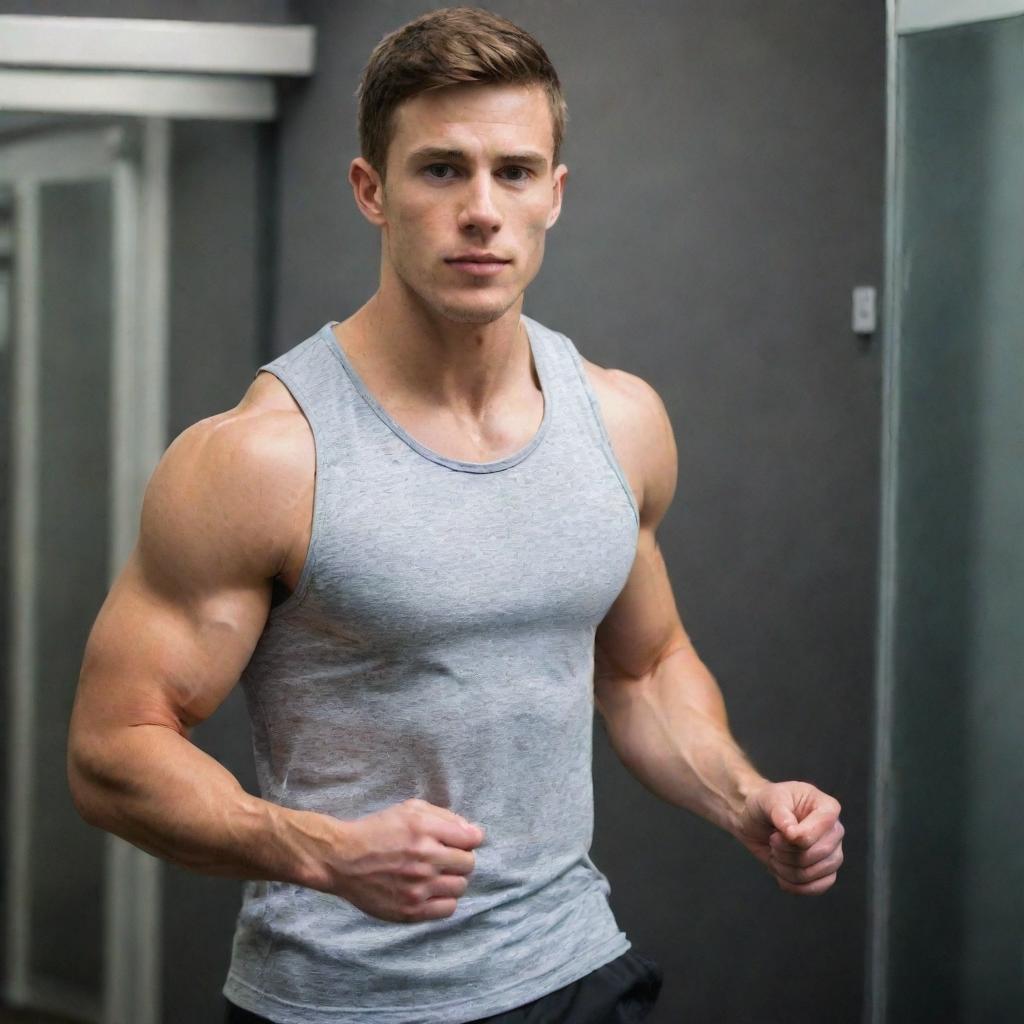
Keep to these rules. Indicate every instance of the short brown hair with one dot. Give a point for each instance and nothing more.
(450, 46)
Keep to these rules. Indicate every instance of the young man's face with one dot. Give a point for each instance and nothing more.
(470, 173)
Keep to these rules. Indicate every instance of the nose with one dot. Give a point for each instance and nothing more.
(479, 212)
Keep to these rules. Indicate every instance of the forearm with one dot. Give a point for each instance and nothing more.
(670, 729)
(152, 786)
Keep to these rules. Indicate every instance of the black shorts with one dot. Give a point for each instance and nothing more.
(623, 991)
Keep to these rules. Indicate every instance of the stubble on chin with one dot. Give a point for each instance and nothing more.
(469, 313)
(464, 315)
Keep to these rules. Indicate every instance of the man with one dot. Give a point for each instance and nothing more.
(424, 541)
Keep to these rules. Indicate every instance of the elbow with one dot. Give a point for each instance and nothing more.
(79, 791)
(82, 784)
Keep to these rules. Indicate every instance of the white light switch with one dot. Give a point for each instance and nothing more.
(864, 319)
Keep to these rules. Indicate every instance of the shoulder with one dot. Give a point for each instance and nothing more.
(231, 483)
(264, 434)
(642, 436)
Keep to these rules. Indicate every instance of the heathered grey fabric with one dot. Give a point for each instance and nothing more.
(439, 644)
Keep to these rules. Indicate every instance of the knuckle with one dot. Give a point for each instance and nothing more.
(419, 846)
(403, 906)
(415, 868)
(414, 812)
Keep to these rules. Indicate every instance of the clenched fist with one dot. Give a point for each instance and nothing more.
(409, 862)
(793, 828)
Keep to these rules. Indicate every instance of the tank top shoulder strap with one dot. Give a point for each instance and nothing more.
(575, 394)
(318, 383)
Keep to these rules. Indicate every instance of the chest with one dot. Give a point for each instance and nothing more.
(429, 553)
(507, 436)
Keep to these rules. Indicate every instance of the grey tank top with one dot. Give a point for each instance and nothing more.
(439, 644)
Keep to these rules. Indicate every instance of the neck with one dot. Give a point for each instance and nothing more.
(425, 358)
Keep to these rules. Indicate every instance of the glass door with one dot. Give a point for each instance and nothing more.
(948, 906)
(59, 203)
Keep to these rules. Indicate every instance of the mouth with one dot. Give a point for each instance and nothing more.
(478, 266)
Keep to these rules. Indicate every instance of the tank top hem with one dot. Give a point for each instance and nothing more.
(255, 1000)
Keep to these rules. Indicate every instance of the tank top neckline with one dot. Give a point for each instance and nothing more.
(327, 335)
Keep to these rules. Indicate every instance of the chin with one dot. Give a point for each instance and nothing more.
(473, 313)
(471, 316)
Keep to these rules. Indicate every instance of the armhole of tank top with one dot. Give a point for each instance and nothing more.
(296, 597)
(605, 440)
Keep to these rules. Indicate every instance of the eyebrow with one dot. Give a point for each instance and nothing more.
(530, 158)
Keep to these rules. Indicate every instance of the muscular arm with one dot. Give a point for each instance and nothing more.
(663, 710)
(177, 627)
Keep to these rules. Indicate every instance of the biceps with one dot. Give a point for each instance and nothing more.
(643, 625)
(153, 660)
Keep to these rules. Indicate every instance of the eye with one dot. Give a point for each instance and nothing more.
(432, 168)
(522, 173)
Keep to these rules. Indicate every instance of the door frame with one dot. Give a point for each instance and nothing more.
(137, 171)
(922, 15)
(147, 67)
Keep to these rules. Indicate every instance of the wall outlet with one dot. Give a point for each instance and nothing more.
(865, 320)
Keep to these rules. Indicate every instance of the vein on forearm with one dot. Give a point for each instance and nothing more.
(669, 727)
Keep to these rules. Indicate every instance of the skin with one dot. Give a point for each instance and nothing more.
(228, 512)
(445, 350)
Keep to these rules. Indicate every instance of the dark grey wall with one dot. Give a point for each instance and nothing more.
(725, 194)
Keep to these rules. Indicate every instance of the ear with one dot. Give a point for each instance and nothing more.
(558, 187)
(368, 190)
